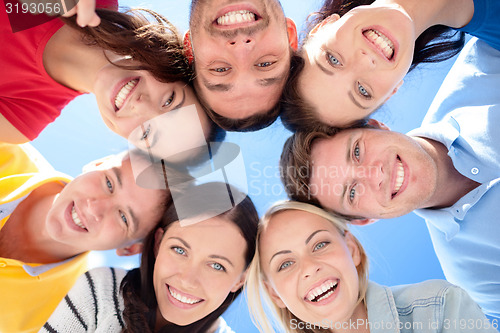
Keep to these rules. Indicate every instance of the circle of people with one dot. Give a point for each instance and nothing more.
(303, 270)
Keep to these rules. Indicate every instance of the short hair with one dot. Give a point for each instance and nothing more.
(296, 161)
(257, 295)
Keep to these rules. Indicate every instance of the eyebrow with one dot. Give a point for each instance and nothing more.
(349, 93)
(227, 87)
(308, 239)
(178, 106)
(351, 96)
(313, 234)
(133, 224)
(324, 69)
(217, 87)
(213, 256)
(348, 160)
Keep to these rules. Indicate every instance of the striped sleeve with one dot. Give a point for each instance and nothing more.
(94, 304)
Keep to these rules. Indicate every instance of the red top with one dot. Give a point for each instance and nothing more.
(29, 98)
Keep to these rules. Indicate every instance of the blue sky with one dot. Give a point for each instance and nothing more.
(399, 249)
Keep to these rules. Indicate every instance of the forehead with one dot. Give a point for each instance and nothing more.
(291, 226)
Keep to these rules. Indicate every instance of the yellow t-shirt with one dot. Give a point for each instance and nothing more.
(30, 292)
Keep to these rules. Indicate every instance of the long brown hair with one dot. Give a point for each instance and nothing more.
(137, 286)
(143, 34)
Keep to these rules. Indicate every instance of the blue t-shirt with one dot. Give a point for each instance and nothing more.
(485, 23)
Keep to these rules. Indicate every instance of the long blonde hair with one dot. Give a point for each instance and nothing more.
(265, 314)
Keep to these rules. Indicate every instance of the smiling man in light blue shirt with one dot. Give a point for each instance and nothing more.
(448, 170)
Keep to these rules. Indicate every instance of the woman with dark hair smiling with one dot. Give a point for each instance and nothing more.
(189, 274)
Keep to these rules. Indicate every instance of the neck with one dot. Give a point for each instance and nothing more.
(427, 13)
(360, 315)
(451, 184)
(71, 62)
(24, 236)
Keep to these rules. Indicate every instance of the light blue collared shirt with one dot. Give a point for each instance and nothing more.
(432, 306)
(465, 117)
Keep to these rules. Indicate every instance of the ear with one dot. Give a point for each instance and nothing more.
(374, 123)
(158, 237)
(274, 296)
(394, 90)
(188, 48)
(363, 221)
(330, 19)
(293, 38)
(130, 250)
(240, 283)
(353, 247)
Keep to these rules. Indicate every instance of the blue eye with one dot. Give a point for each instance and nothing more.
(363, 92)
(146, 133)
(124, 218)
(332, 60)
(218, 267)
(109, 185)
(356, 152)
(264, 64)
(170, 100)
(320, 245)
(352, 194)
(179, 250)
(221, 69)
(284, 265)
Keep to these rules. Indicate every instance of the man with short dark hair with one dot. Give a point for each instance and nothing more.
(242, 52)
(49, 222)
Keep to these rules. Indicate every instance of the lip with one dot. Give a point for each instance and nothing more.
(233, 8)
(394, 176)
(330, 298)
(69, 219)
(375, 48)
(118, 87)
(179, 304)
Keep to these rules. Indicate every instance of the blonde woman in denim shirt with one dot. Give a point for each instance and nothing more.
(310, 273)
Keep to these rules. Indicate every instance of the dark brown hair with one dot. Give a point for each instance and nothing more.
(437, 43)
(137, 287)
(296, 162)
(143, 34)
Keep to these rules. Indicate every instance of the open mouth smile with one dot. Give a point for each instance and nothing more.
(122, 94)
(322, 292)
(381, 42)
(236, 17)
(75, 218)
(182, 297)
(400, 177)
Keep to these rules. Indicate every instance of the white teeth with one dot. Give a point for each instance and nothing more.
(76, 219)
(239, 16)
(327, 286)
(381, 41)
(123, 93)
(182, 299)
(400, 177)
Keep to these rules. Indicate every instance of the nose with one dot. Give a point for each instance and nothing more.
(142, 105)
(366, 59)
(374, 175)
(189, 277)
(310, 267)
(241, 45)
(97, 207)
